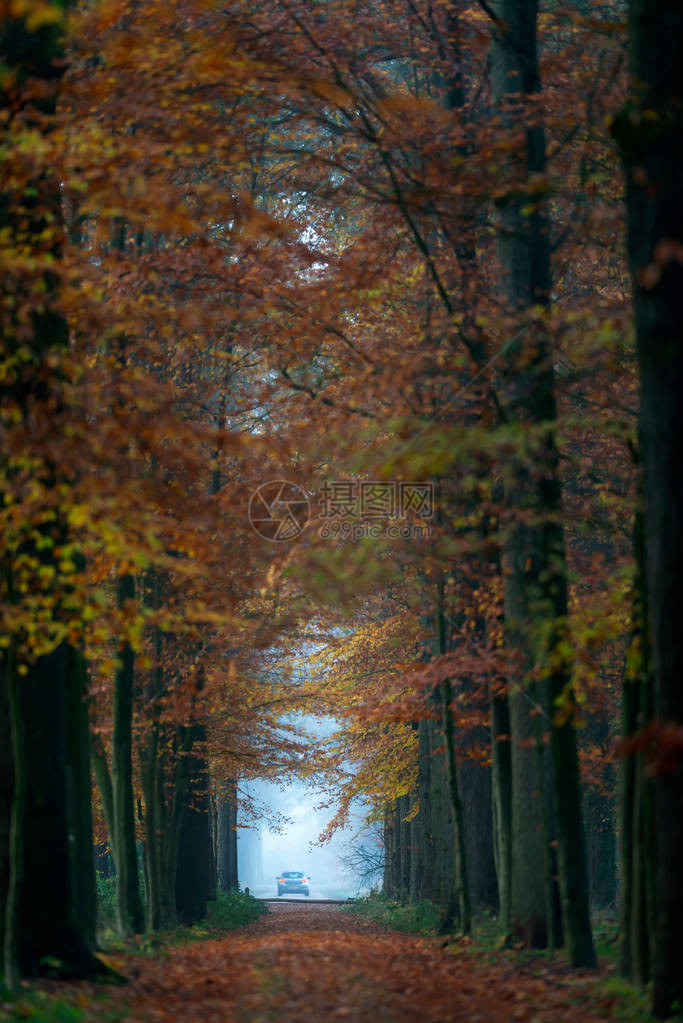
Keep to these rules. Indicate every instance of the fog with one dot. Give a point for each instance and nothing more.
(264, 852)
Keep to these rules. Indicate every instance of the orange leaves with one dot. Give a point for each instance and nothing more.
(303, 964)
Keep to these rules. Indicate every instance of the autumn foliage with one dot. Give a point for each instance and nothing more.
(351, 248)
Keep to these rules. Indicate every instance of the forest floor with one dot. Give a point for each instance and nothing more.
(317, 963)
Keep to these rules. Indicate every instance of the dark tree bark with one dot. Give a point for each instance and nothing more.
(6, 795)
(226, 845)
(389, 881)
(79, 797)
(128, 901)
(501, 783)
(423, 868)
(44, 922)
(151, 776)
(534, 559)
(635, 791)
(474, 783)
(650, 134)
(43, 930)
(103, 778)
(193, 871)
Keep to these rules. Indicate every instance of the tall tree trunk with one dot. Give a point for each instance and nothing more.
(226, 827)
(103, 779)
(41, 920)
(79, 797)
(474, 783)
(212, 893)
(389, 886)
(193, 881)
(501, 782)
(424, 867)
(173, 823)
(534, 560)
(128, 902)
(151, 775)
(405, 845)
(41, 925)
(6, 793)
(462, 890)
(635, 794)
(651, 140)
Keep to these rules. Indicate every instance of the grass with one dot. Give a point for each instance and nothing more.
(229, 911)
(417, 918)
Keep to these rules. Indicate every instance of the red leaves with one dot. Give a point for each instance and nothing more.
(318, 963)
(662, 744)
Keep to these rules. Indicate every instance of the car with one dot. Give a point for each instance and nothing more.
(293, 881)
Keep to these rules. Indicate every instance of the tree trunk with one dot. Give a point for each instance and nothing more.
(154, 880)
(404, 807)
(41, 928)
(128, 902)
(424, 866)
(103, 779)
(226, 827)
(193, 880)
(535, 584)
(501, 782)
(151, 777)
(651, 141)
(79, 797)
(635, 791)
(462, 891)
(474, 783)
(212, 893)
(6, 794)
(389, 871)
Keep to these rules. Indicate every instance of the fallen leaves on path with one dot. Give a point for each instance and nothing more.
(316, 963)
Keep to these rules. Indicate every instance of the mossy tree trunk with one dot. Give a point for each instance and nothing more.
(534, 557)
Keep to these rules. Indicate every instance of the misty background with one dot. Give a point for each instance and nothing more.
(266, 849)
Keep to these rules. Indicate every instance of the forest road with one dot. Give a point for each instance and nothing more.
(303, 963)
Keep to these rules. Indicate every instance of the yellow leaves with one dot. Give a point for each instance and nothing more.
(78, 515)
(36, 14)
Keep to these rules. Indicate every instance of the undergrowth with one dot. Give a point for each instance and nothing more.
(419, 917)
(229, 912)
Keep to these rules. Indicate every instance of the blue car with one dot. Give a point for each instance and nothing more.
(292, 881)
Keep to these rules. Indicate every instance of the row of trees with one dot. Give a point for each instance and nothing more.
(341, 244)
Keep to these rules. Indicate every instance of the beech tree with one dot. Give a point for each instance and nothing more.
(345, 245)
(45, 921)
(648, 130)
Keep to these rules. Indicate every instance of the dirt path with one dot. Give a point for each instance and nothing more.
(318, 963)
